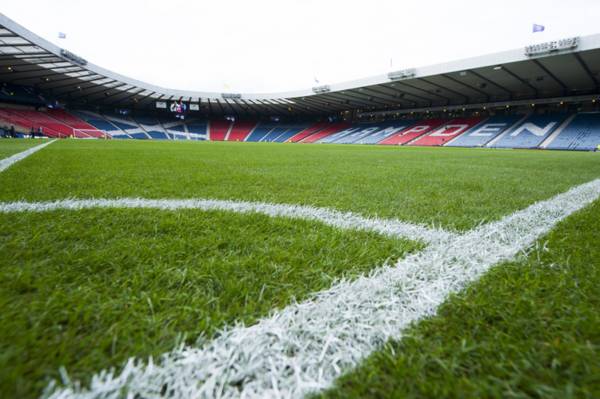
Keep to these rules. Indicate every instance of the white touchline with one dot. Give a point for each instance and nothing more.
(8, 162)
(342, 220)
(304, 347)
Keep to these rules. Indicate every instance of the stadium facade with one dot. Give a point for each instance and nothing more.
(546, 95)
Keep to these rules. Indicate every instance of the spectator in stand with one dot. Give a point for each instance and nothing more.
(13, 134)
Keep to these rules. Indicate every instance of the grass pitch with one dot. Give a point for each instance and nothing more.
(457, 188)
(10, 147)
(527, 329)
(87, 289)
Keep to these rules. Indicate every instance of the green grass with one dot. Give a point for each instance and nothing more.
(454, 187)
(527, 329)
(88, 289)
(10, 147)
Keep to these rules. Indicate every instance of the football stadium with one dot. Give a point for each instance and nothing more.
(431, 231)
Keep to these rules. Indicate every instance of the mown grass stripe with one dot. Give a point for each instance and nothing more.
(304, 347)
(8, 162)
(342, 220)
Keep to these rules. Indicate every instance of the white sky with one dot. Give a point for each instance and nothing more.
(280, 45)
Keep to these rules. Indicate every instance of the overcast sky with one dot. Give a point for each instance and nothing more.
(278, 45)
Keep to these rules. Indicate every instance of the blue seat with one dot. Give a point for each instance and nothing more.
(531, 132)
(260, 132)
(387, 130)
(197, 127)
(363, 131)
(289, 133)
(141, 136)
(336, 136)
(481, 134)
(583, 133)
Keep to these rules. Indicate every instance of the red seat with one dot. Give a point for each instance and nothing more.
(307, 132)
(327, 131)
(218, 130)
(412, 132)
(447, 132)
(240, 130)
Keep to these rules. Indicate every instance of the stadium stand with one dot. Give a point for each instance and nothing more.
(274, 134)
(128, 108)
(582, 133)
(387, 130)
(102, 124)
(530, 133)
(198, 130)
(551, 131)
(217, 130)
(76, 123)
(260, 132)
(370, 133)
(326, 131)
(121, 122)
(152, 127)
(50, 126)
(483, 133)
(289, 133)
(446, 132)
(240, 130)
(358, 133)
(339, 135)
(413, 132)
(307, 132)
(175, 130)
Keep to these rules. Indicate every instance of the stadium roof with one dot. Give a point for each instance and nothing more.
(564, 70)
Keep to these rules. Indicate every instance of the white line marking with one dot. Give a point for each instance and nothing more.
(304, 347)
(8, 162)
(342, 220)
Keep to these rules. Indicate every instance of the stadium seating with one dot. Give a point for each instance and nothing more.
(338, 135)
(218, 130)
(197, 130)
(483, 133)
(240, 130)
(175, 129)
(75, 123)
(102, 124)
(152, 127)
(274, 134)
(530, 133)
(121, 122)
(289, 133)
(328, 130)
(51, 127)
(260, 132)
(386, 130)
(557, 131)
(582, 133)
(369, 133)
(446, 132)
(358, 133)
(413, 132)
(307, 132)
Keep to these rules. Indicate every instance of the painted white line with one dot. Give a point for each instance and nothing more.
(8, 162)
(304, 347)
(342, 220)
